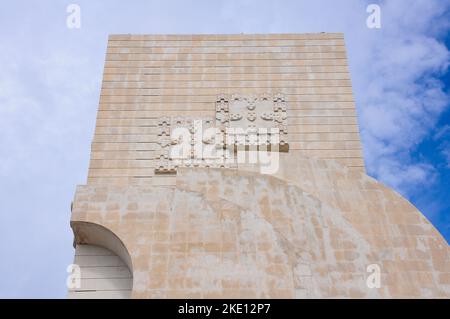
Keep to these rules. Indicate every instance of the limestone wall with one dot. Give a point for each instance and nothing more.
(224, 233)
(150, 76)
(103, 274)
(309, 230)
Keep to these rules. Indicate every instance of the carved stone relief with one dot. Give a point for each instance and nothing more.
(254, 116)
(251, 111)
(200, 143)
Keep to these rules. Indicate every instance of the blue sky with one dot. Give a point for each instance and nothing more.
(50, 79)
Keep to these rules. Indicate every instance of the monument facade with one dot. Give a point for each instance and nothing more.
(230, 166)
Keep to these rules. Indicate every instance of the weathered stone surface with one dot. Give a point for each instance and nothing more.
(309, 230)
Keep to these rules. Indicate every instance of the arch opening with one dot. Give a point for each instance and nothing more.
(103, 262)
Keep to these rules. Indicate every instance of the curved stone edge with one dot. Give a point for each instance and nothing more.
(95, 233)
(111, 210)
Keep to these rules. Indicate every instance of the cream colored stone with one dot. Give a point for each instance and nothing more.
(307, 231)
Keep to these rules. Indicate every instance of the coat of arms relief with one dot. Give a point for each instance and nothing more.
(242, 123)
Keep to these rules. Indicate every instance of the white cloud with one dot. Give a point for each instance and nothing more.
(398, 93)
(442, 136)
(50, 77)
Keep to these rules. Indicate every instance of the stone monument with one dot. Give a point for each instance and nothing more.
(230, 166)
